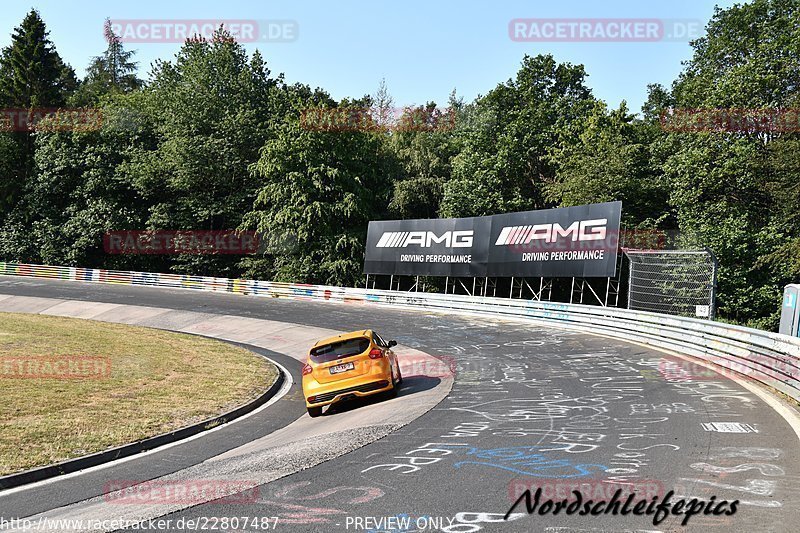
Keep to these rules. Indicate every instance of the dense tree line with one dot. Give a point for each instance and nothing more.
(214, 140)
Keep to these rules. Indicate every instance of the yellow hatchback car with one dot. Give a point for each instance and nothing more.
(347, 366)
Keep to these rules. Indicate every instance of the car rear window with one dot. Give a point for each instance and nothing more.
(338, 350)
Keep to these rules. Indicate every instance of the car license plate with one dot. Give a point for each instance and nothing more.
(338, 369)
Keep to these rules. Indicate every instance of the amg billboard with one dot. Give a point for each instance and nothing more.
(431, 247)
(578, 241)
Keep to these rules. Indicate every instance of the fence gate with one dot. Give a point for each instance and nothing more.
(676, 282)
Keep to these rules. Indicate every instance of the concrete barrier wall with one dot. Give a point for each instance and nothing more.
(769, 358)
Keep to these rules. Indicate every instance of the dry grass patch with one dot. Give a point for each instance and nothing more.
(140, 382)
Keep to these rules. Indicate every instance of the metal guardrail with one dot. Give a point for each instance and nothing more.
(769, 358)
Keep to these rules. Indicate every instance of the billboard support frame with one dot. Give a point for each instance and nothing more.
(614, 285)
(490, 282)
(612, 289)
(582, 284)
(465, 287)
(545, 285)
(457, 281)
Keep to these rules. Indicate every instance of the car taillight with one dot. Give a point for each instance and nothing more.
(375, 353)
(307, 369)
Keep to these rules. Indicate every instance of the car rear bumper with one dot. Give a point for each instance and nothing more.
(329, 393)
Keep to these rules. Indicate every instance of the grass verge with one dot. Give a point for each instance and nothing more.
(70, 387)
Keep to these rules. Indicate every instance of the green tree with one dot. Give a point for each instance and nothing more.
(32, 75)
(172, 156)
(321, 188)
(659, 100)
(213, 109)
(83, 188)
(783, 171)
(12, 158)
(606, 157)
(733, 191)
(718, 194)
(112, 72)
(504, 165)
(425, 143)
(748, 57)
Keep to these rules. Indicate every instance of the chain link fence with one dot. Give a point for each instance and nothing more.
(676, 282)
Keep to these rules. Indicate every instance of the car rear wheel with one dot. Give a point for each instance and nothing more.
(314, 412)
(391, 393)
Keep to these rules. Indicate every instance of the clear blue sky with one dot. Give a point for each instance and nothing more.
(423, 49)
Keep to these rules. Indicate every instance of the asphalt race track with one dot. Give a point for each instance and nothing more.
(530, 407)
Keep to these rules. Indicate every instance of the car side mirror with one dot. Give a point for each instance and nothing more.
(392, 343)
